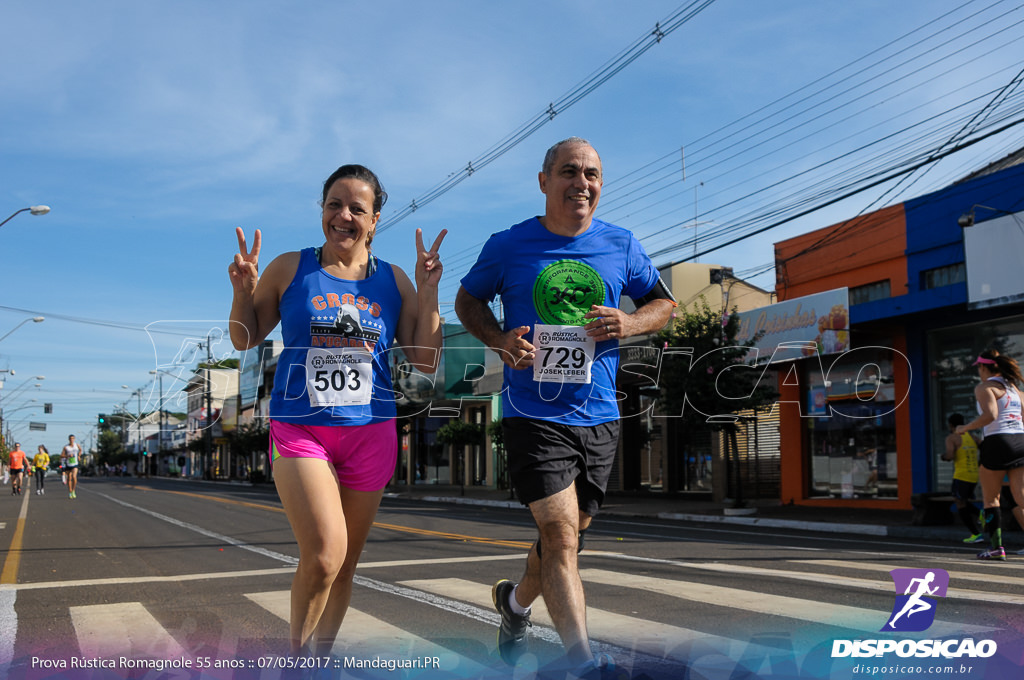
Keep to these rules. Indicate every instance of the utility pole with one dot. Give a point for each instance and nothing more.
(208, 432)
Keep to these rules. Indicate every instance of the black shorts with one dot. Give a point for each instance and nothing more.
(962, 490)
(1002, 451)
(545, 458)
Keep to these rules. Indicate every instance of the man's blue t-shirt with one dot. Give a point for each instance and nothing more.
(545, 278)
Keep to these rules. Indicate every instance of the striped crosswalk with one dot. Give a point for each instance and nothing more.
(135, 629)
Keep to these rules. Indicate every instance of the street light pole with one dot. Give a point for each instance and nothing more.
(35, 210)
(138, 436)
(36, 319)
(163, 412)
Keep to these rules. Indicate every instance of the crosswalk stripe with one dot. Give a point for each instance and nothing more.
(628, 632)
(839, 615)
(816, 577)
(122, 629)
(362, 631)
(439, 560)
(985, 578)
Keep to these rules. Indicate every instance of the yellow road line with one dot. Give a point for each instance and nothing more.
(379, 525)
(453, 537)
(229, 501)
(9, 574)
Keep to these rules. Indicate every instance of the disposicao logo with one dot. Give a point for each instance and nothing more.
(914, 609)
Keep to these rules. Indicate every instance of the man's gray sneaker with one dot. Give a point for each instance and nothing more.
(512, 631)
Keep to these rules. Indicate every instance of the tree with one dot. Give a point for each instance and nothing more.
(109, 448)
(497, 435)
(247, 440)
(459, 434)
(223, 363)
(703, 390)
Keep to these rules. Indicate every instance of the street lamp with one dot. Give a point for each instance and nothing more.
(24, 384)
(35, 210)
(35, 319)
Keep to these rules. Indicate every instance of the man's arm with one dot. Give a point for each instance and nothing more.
(477, 318)
(611, 323)
(952, 443)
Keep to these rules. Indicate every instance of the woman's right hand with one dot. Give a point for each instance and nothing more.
(244, 271)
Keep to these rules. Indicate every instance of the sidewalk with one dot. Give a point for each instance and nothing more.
(851, 521)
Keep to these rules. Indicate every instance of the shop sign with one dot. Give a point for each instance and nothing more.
(992, 252)
(802, 327)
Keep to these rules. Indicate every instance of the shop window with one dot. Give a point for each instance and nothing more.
(879, 290)
(952, 378)
(943, 276)
(852, 429)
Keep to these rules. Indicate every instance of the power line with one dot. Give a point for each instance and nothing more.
(661, 30)
(860, 189)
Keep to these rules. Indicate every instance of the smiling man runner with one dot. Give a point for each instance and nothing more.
(560, 277)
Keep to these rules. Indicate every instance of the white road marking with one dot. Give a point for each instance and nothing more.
(128, 580)
(287, 559)
(815, 577)
(362, 634)
(442, 560)
(831, 614)
(122, 629)
(986, 578)
(628, 632)
(8, 613)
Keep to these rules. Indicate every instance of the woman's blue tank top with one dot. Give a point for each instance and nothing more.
(334, 368)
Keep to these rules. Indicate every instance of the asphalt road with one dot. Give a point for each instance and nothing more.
(134, 572)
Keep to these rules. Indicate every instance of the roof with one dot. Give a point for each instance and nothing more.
(1015, 158)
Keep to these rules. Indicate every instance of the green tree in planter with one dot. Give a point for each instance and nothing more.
(458, 434)
(703, 389)
(497, 435)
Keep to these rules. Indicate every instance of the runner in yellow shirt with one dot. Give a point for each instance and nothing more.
(962, 449)
(41, 463)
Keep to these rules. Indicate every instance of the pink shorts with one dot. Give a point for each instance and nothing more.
(363, 456)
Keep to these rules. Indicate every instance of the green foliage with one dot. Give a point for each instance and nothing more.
(249, 439)
(458, 433)
(714, 380)
(223, 363)
(497, 434)
(108, 447)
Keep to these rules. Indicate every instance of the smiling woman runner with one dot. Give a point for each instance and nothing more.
(332, 431)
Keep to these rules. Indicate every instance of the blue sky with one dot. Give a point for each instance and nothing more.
(153, 130)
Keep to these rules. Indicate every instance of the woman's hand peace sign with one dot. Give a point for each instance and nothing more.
(244, 271)
(428, 263)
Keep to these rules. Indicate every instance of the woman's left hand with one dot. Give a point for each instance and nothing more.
(428, 262)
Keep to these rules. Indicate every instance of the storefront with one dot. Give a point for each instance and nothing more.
(932, 282)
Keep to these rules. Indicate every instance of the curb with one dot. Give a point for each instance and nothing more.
(743, 520)
(829, 527)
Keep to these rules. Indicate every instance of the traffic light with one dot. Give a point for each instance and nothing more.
(101, 420)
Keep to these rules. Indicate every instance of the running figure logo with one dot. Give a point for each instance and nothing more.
(914, 610)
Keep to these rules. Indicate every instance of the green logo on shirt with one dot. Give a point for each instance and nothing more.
(565, 290)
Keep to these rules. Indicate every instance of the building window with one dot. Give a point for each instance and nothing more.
(879, 290)
(943, 276)
(852, 431)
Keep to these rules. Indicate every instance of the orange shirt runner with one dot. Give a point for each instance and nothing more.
(17, 460)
